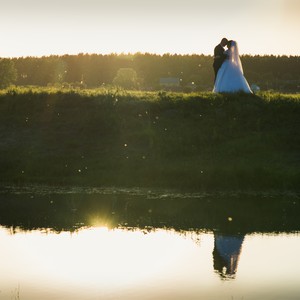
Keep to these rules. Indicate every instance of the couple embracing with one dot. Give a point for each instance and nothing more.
(229, 77)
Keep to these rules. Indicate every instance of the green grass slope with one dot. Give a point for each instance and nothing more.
(200, 141)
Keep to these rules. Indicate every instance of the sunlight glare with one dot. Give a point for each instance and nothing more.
(100, 257)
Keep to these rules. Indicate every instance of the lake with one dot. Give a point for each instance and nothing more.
(140, 244)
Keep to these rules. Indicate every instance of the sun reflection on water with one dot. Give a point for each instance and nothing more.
(99, 257)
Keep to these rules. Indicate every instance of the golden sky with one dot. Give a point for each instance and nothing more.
(44, 27)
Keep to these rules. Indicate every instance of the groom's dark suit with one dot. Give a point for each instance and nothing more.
(219, 58)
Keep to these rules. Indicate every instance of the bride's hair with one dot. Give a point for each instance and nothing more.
(230, 43)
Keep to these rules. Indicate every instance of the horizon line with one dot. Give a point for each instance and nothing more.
(139, 53)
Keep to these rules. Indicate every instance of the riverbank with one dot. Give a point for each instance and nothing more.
(103, 137)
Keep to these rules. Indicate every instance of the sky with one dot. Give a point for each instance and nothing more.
(58, 27)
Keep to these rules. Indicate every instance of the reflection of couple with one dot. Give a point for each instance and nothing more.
(226, 254)
(228, 69)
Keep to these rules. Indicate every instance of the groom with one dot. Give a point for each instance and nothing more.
(219, 56)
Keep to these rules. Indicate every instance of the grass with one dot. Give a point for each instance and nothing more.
(112, 137)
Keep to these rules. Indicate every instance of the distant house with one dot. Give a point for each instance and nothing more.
(169, 82)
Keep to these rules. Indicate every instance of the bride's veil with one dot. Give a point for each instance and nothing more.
(234, 55)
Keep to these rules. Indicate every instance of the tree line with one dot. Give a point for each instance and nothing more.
(144, 71)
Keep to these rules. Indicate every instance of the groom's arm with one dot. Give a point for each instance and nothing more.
(225, 55)
(219, 53)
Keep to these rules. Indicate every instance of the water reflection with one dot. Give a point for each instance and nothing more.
(101, 263)
(226, 254)
(229, 215)
(145, 246)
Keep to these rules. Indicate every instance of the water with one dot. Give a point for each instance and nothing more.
(142, 245)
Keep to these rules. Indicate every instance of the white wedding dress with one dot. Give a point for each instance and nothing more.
(230, 77)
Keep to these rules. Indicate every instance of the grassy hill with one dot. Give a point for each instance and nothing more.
(200, 141)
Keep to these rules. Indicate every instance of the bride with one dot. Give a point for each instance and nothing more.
(230, 77)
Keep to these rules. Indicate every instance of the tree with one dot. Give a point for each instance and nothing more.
(8, 73)
(126, 78)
